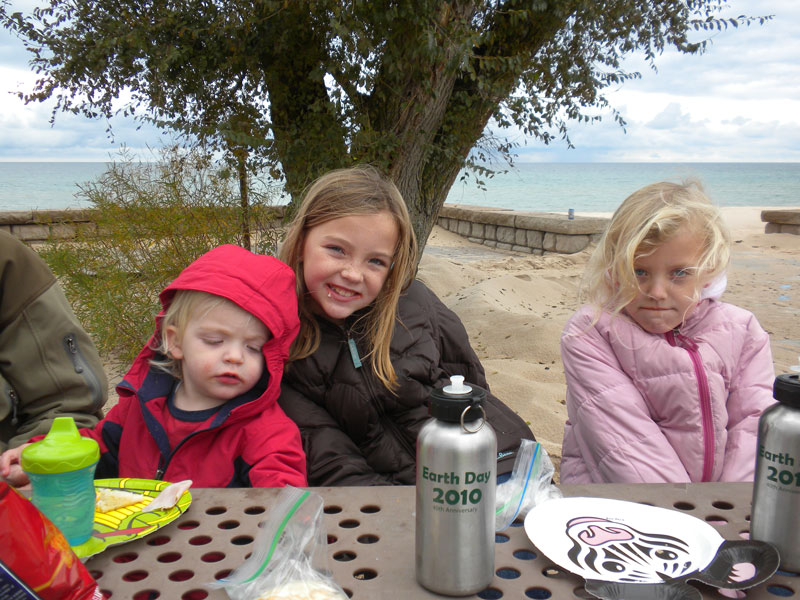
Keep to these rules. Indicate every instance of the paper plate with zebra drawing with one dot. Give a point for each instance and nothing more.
(614, 544)
(129, 523)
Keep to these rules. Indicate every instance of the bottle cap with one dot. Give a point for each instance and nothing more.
(448, 402)
(62, 450)
(787, 389)
(457, 386)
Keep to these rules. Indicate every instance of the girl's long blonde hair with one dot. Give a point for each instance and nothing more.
(360, 190)
(645, 220)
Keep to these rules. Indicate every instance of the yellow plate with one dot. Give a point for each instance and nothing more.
(130, 523)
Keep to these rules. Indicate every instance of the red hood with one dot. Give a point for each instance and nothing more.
(261, 285)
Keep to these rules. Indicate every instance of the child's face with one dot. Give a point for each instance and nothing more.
(221, 355)
(667, 282)
(346, 262)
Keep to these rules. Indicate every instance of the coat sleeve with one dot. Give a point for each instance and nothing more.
(750, 393)
(612, 430)
(331, 456)
(278, 458)
(49, 365)
(108, 435)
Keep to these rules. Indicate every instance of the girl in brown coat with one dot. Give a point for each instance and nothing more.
(373, 342)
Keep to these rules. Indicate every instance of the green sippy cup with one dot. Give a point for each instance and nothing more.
(61, 470)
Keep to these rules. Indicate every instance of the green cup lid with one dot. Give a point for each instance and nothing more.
(61, 451)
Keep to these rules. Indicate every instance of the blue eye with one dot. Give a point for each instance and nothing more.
(378, 262)
(678, 273)
(336, 249)
(639, 272)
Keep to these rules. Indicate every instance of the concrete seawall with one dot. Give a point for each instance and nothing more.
(531, 232)
(40, 225)
(781, 221)
(523, 231)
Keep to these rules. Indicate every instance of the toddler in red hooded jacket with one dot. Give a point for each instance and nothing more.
(200, 400)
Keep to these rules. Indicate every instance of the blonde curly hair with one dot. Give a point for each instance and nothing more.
(645, 220)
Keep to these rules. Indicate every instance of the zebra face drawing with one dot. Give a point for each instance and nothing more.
(617, 552)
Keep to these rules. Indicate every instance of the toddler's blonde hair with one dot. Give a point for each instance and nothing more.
(185, 306)
(644, 221)
(359, 190)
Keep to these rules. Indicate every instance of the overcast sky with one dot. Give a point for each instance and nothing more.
(739, 102)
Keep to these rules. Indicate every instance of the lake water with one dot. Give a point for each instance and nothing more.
(585, 187)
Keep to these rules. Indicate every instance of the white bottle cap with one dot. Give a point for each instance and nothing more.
(457, 385)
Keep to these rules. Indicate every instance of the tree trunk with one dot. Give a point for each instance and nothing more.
(309, 136)
(425, 179)
(244, 199)
(430, 197)
(409, 166)
(429, 115)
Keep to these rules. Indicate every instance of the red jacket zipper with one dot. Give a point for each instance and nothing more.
(673, 337)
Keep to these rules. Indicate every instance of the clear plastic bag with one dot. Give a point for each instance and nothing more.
(289, 558)
(530, 484)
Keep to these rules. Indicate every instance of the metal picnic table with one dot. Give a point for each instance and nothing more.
(371, 543)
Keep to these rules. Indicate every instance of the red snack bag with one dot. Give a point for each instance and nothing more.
(36, 561)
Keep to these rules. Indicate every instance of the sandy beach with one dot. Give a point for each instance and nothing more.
(514, 306)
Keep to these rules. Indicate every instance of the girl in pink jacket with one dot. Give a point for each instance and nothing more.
(664, 382)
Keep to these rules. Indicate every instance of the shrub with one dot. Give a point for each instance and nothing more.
(150, 221)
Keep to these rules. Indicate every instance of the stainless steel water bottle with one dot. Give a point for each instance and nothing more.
(775, 516)
(456, 484)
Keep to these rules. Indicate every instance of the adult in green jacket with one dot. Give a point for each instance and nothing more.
(49, 366)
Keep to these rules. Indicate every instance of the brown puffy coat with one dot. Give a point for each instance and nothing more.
(354, 430)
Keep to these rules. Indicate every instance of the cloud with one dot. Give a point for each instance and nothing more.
(736, 121)
(670, 118)
(27, 134)
(739, 101)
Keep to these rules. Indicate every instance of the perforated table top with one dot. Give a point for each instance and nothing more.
(371, 544)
